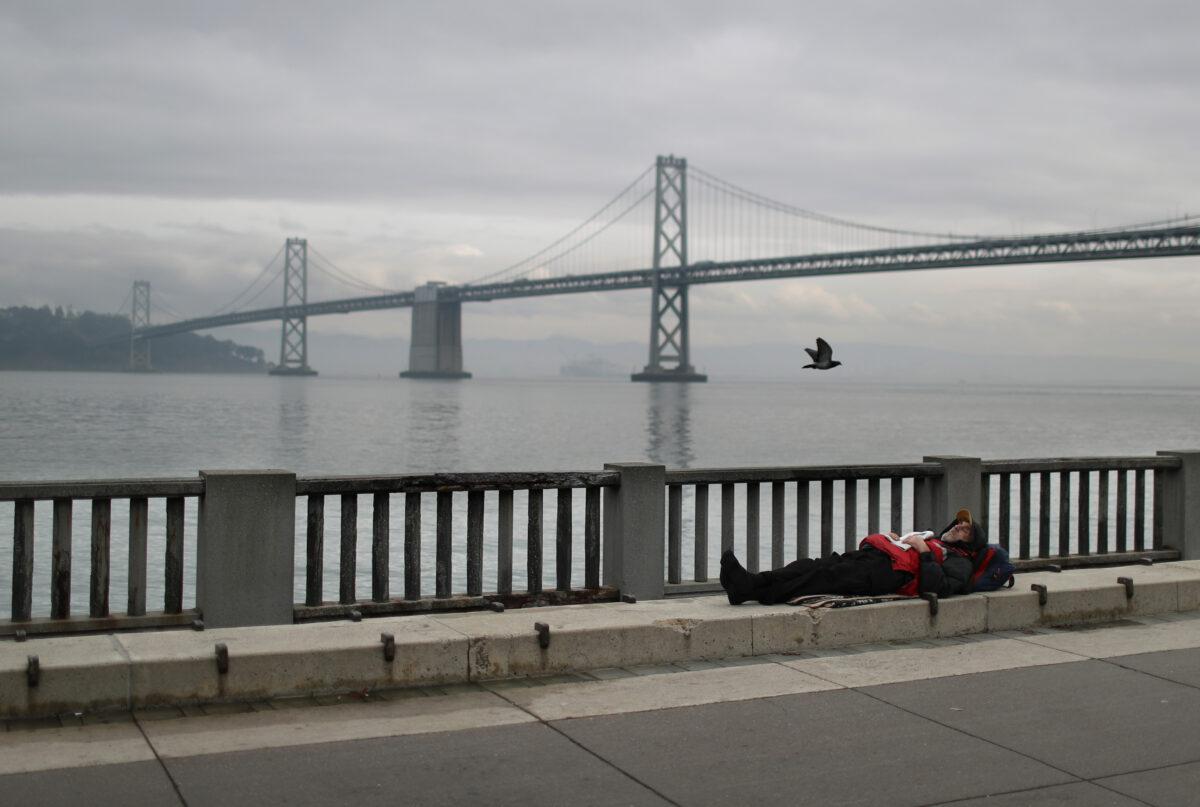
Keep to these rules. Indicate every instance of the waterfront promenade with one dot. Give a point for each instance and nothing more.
(1101, 714)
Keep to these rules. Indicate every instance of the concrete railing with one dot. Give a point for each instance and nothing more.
(634, 521)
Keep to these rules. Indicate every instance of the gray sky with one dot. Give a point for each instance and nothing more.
(181, 143)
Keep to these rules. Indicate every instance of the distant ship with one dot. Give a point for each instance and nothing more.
(590, 367)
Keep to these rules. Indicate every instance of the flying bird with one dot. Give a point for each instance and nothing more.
(822, 357)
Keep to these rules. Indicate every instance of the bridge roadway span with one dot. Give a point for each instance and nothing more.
(1088, 246)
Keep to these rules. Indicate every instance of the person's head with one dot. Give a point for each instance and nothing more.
(960, 533)
(965, 531)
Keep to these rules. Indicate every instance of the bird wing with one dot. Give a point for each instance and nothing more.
(824, 351)
(812, 353)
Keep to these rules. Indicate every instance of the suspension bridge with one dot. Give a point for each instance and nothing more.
(705, 230)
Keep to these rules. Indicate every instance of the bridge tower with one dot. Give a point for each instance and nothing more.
(139, 317)
(670, 358)
(435, 350)
(293, 342)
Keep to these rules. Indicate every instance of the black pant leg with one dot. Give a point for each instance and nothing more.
(862, 572)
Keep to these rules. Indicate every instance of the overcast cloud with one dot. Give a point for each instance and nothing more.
(181, 143)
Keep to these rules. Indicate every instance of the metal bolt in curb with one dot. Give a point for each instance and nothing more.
(932, 599)
(389, 646)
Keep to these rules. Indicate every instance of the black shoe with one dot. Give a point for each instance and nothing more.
(735, 579)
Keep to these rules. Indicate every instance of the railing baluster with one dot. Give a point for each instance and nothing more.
(347, 569)
(802, 544)
(562, 541)
(674, 534)
(314, 578)
(897, 504)
(591, 538)
(1102, 515)
(727, 506)
(700, 550)
(412, 545)
(380, 547)
(777, 516)
(1005, 515)
(752, 537)
(504, 542)
(475, 543)
(1083, 514)
(139, 508)
(60, 561)
(101, 544)
(22, 583)
(872, 506)
(1043, 516)
(1158, 510)
(985, 502)
(173, 562)
(1139, 509)
(1025, 526)
(444, 561)
(1122, 511)
(1064, 513)
(826, 517)
(533, 543)
(850, 515)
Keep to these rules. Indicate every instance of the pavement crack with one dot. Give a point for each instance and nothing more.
(1112, 660)
(973, 736)
(161, 763)
(588, 751)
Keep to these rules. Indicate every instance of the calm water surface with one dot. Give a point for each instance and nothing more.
(85, 425)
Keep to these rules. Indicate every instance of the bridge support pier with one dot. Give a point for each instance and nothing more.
(293, 342)
(670, 357)
(435, 350)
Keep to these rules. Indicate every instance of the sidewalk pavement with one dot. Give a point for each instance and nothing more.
(123, 671)
(1098, 715)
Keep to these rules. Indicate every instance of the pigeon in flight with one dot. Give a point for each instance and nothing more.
(822, 357)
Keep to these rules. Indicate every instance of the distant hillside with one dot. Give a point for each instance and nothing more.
(41, 339)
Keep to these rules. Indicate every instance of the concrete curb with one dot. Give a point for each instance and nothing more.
(128, 671)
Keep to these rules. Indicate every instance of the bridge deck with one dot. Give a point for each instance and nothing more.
(1057, 248)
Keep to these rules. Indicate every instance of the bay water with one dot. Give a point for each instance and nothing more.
(101, 426)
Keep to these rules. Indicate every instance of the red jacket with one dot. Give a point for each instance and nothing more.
(905, 560)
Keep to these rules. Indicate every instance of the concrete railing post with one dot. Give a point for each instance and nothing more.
(1181, 504)
(246, 548)
(958, 487)
(634, 541)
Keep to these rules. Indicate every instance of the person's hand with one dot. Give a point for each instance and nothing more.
(918, 543)
(895, 536)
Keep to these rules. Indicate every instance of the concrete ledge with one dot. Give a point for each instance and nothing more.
(91, 673)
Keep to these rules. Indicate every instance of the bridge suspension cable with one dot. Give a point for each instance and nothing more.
(333, 271)
(125, 302)
(159, 304)
(591, 227)
(229, 306)
(701, 176)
